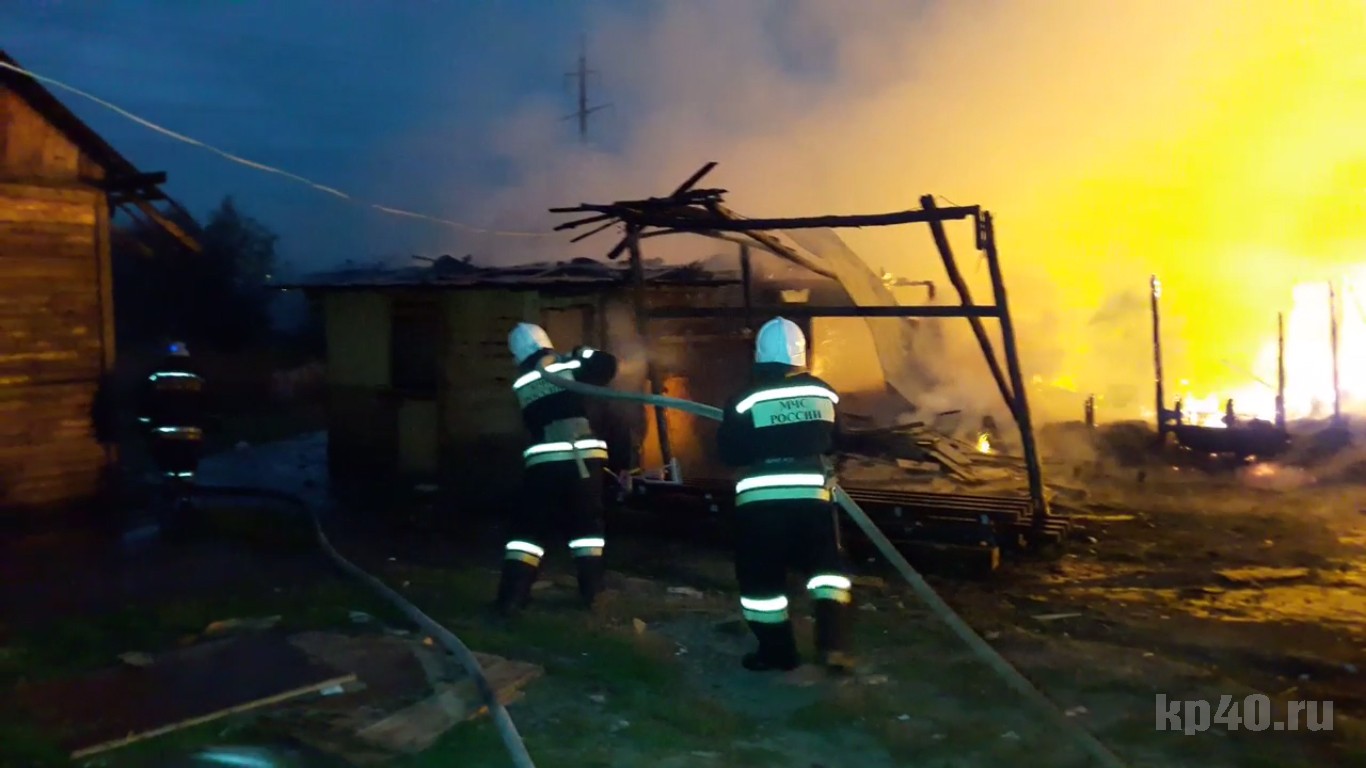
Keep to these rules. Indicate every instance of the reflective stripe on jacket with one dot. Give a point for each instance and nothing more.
(587, 449)
(786, 486)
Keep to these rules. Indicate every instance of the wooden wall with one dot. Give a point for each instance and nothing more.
(483, 436)
(380, 431)
(362, 420)
(56, 313)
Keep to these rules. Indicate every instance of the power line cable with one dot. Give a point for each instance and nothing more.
(266, 168)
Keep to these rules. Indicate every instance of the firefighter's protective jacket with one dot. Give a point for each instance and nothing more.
(779, 432)
(173, 396)
(557, 418)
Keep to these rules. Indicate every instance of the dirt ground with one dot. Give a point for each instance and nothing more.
(1184, 584)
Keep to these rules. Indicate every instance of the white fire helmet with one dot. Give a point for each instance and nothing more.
(526, 340)
(178, 349)
(780, 341)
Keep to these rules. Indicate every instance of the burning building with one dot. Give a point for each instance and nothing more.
(419, 376)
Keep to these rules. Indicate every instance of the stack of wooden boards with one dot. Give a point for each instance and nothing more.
(920, 450)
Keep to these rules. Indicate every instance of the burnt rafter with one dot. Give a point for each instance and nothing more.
(702, 211)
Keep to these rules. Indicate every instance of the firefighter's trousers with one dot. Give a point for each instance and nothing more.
(558, 505)
(176, 452)
(802, 534)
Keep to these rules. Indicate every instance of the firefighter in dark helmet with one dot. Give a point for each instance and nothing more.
(778, 432)
(563, 468)
(172, 411)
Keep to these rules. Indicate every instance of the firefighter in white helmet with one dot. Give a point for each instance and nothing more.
(778, 432)
(563, 467)
(172, 410)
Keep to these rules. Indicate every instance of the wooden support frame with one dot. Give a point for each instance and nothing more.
(697, 211)
(651, 367)
(170, 226)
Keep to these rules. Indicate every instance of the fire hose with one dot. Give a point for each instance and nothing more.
(507, 730)
(1012, 676)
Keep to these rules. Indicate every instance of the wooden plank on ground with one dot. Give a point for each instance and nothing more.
(415, 728)
(123, 705)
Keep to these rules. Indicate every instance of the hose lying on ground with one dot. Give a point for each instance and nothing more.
(507, 730)
(1083, 738)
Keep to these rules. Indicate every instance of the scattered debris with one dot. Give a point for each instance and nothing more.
(226, 626)
(1076, 711)
(1056, 616)
(1011, 736)
(136, 659)
(875, 679)
(597, 698)
(919, 467)
(361, 617)
(639, 626)
(685, 592)
(411, 694)
(869, 582)
(1256, 575)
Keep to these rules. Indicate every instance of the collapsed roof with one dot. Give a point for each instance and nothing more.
(447, 272)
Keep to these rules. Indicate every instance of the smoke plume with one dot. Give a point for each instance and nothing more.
(1217, 144)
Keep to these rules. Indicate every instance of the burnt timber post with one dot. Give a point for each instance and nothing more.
(1156, 292)
(941, 242)
(1333, 339)
(1280, 371)
(747, 285)
(666, 453)
(987, 239)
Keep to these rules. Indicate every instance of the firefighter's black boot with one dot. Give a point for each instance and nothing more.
(833, 635)
(590, 579)
(514, 588)
(777, 648)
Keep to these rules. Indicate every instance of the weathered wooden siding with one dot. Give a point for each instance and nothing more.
(482, 436)
(362, 416)
(54, 343)
(32, 149)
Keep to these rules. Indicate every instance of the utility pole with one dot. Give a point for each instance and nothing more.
(1280, 371)
(1333, 339)
(1155, 287)
(582, 74)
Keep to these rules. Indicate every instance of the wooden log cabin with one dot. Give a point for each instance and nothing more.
(419, 377)
(60, 183)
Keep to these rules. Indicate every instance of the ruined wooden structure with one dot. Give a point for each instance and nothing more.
(59, 186)
(1239, 438)
(419, 376)
(689, 209)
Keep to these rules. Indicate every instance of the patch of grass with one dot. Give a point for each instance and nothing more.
(647, 711)
(22, 744)
(77, 644)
